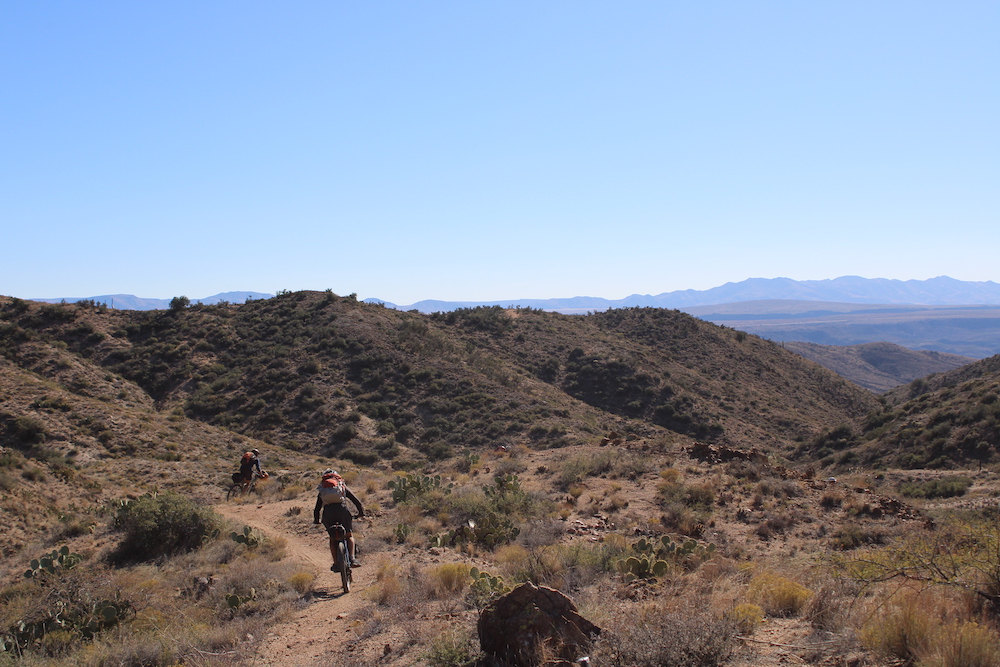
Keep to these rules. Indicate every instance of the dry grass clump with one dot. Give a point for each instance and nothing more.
(962, 644)
(447, 579)
(662, 634)
(452, 647)
(396, 589)
(930, 628)
(302, 582)
(777, 595)
(388, 585)
(686, 508)
(747, 617)
(831, 607)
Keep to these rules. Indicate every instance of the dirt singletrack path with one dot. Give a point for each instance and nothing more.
(317, 628)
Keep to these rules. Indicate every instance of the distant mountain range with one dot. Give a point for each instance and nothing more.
(943, 314)
(131, 302)
(940, 291)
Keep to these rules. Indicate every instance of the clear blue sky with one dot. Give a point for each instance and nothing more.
(474, 150)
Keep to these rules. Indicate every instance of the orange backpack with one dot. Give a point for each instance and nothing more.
(332, 489)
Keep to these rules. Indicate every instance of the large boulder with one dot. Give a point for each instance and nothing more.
(533, 626)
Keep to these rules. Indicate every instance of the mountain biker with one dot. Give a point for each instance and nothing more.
(331, 494)
(248, 462)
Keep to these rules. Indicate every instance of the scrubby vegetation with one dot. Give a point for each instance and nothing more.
(652, 466)
(204, 597)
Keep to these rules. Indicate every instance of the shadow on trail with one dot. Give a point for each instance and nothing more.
(320, 594)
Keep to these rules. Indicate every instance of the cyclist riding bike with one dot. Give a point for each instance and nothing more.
(331, 497)
(248, 463)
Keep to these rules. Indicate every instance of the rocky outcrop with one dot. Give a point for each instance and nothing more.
(535, 626)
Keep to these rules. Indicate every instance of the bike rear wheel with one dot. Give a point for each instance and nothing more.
(345, 567)
(234, 491)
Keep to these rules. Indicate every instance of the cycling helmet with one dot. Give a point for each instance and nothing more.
(329, 471)
(254, 452)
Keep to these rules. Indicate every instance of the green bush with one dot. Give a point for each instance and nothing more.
(157, 526)
(946, 487)
(30, 429)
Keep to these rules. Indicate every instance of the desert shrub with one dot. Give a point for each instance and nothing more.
(156, 526)
(777, 595)
(962, 644)
(901, 628)
(853, 535)
(343, 433)
(831, 499)
(581, 564)
(829, 608)
(749, 471)
(30, 429)
(661, 636)
(775, 523)
(302, 582)
(508, 466)
(631, 466)
(681, 519)
(699, 497)
(963, 554)
(946, 487)
(577, 468)
(447, 579)
(779, 488)
(747, 617)
(452, 648)
(686, 508)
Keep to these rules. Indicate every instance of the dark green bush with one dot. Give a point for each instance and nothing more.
(30, 429)
(157, 526)
(946, 487)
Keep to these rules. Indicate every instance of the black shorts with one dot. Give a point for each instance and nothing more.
(337, 513)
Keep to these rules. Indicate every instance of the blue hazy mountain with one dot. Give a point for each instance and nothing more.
(131, 302)
(940, 291)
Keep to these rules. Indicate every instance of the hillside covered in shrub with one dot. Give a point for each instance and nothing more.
(328, 374)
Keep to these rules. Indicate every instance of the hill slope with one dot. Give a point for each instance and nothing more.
(328, 374)
(878, 367)
(97, 405)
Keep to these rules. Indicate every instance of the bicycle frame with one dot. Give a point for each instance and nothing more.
(243, 488)
(342, 557)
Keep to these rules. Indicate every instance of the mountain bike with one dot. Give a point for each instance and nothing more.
(342, 558)
(242, 487)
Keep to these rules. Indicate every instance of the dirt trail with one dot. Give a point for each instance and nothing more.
(314, 629)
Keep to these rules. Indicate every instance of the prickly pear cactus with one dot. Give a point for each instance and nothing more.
(50, 563)
(688, 553)
(485, 588)
(409, 486)
(490, 531)
(642, 567)
(502, 485)
(249, 537)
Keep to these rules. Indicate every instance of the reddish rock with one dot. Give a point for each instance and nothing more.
(534, 626)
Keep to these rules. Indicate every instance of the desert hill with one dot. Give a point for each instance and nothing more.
(532, 446)
(331, 375)
(878, 367)
(944, 420)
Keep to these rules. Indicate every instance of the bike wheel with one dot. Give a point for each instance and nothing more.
(234, 491)
(345, 567)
